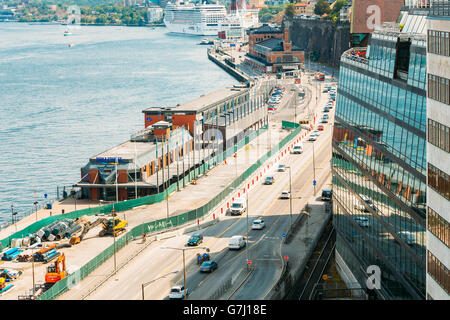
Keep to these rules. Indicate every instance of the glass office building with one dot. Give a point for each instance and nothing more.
(438, 151)
(379, 162)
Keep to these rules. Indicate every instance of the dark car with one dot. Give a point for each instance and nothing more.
(269, 180)
(327, 194)
(195, 240)
(208, 266)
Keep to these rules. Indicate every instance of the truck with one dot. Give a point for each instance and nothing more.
(238, 207)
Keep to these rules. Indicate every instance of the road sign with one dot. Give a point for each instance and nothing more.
(284, 235)
(314, 182)
(249, 262)
(45, 195)
(286, 258)
(325, 277)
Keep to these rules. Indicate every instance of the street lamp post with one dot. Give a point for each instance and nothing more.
(314, 171)
(184, 263)
(12, 217)
(246, 238)
(150, 282)
(290, 197)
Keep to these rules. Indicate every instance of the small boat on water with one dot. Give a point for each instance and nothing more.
(206, 41)
(67, 33)
(71, 45)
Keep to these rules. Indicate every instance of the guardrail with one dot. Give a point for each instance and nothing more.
(165, 223)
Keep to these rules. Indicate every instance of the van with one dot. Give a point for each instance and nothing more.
(238, 207)
(236, 242)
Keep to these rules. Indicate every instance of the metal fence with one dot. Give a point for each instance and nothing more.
(165, 223)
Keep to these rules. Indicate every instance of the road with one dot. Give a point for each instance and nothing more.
(157, 262)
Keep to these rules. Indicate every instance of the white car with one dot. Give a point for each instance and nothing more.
(408, 237)
(362, 221)
(312, 137)
(258, 224)
(285, 195)
(177, 292)
(297, 149)
(236, 242)
(281, 168)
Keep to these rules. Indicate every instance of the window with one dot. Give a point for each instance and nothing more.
(439, 135)
(439, 226)
(439, 272)
(439, 181)
(439, 42)
(439, 88)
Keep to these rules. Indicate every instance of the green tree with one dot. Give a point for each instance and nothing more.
(322, 7)
(290, 11)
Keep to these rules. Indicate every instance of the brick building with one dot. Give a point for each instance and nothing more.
(271, 50)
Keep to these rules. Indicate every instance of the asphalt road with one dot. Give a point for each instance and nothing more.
(157, 263)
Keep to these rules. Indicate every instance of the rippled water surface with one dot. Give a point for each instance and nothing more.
(59, 105)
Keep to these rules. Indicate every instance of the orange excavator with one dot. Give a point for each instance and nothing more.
(57, 271)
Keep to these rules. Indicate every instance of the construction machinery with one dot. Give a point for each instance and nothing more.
(86, 225)
(113, 226)
(57, 271)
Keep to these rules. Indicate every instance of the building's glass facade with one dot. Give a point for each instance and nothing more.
(379, 163)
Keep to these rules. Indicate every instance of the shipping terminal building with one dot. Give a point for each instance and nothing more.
(175, 141)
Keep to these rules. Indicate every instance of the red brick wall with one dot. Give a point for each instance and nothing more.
(154, 118)
(178, 120)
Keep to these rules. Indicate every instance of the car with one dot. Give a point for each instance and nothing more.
(362, 221)
(408, 237)
(316, 132)
(362, 207)
(195, 240)
(238, 207)
(326, 109)
(271, 108)
(326, 194)
(208, 266)
(177, 292)
(325, 90)
(258, 224)
(281, 168)
(324, 120)
(297, 149)
(269, 180)
(292, 89)
(320, 127)
(236, 242)
(325, 115)
(285, 195)
(312, 137)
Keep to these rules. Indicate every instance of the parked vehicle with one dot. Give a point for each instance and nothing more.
(177, 292)
(408, 237)
(361, 207)
(362, 221)
(326, 194)
(195, 240)
(326, 109)
(236, 242)
(269, 180)
(208, 266)
(258, 224)
(238, 207)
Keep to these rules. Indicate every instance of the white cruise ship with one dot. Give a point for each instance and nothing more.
(202, 19)
(235, 24)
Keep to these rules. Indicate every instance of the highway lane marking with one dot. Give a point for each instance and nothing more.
(276, 221)
(264, 213)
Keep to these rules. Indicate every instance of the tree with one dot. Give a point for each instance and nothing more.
(290, 11)
(322, 7)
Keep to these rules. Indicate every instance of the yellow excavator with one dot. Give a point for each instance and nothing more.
(107, 228)
(113, 226)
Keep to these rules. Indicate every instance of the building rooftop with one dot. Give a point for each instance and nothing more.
(265, 28)
(275, 44)
(203, 102)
